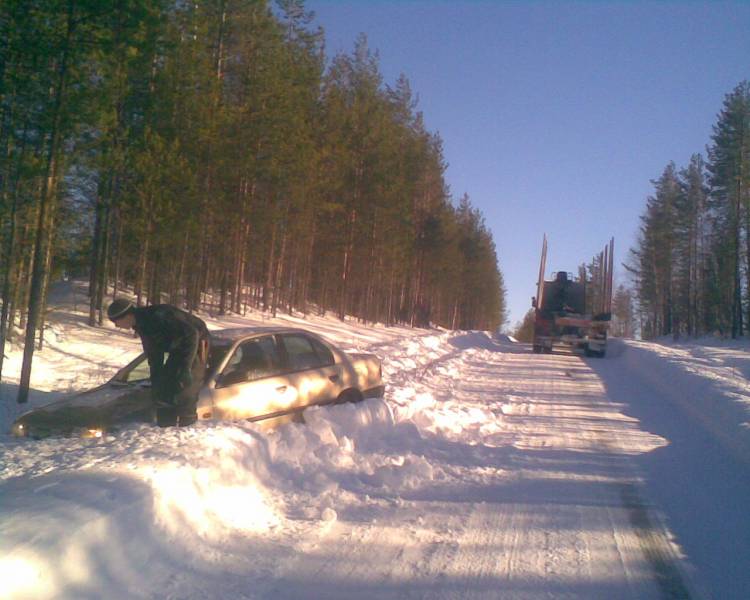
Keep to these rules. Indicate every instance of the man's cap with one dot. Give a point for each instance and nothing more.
(119, 307)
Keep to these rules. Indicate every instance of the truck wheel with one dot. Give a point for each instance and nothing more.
(595, 353)
(537, 349)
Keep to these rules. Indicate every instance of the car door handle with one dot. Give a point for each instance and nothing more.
(281, 389)
(333, 377)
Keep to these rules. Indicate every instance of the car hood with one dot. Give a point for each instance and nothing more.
(96, 410)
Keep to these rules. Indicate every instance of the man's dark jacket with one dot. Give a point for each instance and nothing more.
(165, 329)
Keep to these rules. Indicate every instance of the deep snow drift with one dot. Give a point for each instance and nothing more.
(486, 472)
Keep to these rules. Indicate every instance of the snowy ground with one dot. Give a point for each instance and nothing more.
(486, 472)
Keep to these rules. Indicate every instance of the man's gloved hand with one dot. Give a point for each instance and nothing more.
(184, 380)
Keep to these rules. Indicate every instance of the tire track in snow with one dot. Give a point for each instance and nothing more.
(655, 545)
(650, 531)
(537, 546)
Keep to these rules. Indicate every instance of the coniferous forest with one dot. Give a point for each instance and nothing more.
(691, 264)
(209, 154)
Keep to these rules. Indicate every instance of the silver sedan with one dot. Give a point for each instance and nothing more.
(253, 373)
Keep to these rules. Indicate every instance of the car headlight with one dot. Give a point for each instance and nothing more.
(19, 430)
(92, 433)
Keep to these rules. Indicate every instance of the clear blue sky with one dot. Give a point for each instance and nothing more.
(555, 116)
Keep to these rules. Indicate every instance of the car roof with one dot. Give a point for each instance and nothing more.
(230, 335)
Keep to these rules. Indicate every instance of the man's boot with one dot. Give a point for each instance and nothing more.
(166, 416)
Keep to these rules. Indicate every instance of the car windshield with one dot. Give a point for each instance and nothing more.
(140, 372)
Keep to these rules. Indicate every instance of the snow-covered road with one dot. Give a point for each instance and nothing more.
(487, 472)
(546, 506)
(700, 480)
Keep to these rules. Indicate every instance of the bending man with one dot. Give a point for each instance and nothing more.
(165, 329)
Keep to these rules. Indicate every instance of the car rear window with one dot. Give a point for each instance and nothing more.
(306, 353)
(323, 352)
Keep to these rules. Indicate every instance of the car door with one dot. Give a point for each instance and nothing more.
(311, 369)
(251, 384)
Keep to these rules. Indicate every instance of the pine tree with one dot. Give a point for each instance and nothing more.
(524, 331)
(623, 313)
(729, 168)
(196, 151)
(654, 257)
(690, 246)
(65, 31)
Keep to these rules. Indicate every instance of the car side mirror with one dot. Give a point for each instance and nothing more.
(533, 301)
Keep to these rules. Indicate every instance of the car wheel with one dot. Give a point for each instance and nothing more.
(349, 396)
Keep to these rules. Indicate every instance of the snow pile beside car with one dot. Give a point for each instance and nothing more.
(122, 510)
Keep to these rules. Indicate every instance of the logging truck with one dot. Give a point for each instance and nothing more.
(574, 313)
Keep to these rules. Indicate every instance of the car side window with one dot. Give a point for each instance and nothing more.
(323, 352)
(251, 360)
(306, 353)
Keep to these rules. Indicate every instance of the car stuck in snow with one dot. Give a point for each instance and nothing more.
(253, 373)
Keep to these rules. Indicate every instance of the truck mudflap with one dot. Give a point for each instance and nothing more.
(596, 349)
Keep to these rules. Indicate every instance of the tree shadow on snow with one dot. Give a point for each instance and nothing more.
(699, 480)
(10, 410)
